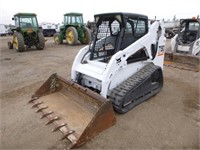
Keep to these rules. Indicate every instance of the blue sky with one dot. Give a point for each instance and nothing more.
(52, 11)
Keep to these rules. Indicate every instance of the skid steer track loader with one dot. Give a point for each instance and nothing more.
(121, 68)
(186, 46)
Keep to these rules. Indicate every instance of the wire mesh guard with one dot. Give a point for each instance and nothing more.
(106, 36)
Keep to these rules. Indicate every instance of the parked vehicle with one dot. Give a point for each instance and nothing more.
(48, 29)
(185, 46)
(120, 69)
(3, 30)
(188, 38)
(26, 33)
(73, 30)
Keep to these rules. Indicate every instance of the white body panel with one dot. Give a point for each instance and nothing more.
(106, 76)
(196, 47)
(48, 25)
(183, 48)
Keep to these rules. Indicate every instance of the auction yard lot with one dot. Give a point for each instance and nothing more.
(169, 120)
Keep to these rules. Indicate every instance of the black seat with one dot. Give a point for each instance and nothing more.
(192, 36)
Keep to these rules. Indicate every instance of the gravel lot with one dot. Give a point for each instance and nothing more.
(169, 120)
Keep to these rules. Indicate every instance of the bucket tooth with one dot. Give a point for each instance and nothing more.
(36, 104)
(71, 146)
(67, 134)
(58, 127)
(46, 114)
(52, 120)
(42, 108)
(33, 99)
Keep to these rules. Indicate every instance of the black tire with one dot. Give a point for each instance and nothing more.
(10, 45)
(56, 39)
(87, 36)
(169, 34)
(18, 42)
(71, 36)
(41, 41)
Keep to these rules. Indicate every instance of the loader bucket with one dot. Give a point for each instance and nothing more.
(182, 61)
(79, 113)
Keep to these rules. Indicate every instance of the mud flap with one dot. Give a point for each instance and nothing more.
(77, 112)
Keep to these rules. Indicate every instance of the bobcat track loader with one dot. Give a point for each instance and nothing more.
(186, 45)
(121, 68)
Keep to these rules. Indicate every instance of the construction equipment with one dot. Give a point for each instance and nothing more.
(121, 68)
(27, 33)
(188, 39)
(186, 44)
(73, 30)
(48, 29)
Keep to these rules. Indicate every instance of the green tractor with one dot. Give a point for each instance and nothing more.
(73, 30)
(26, 33)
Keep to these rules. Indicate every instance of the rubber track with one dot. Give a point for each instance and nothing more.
(131, 83)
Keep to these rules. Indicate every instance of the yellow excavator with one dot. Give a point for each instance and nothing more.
(121, 68)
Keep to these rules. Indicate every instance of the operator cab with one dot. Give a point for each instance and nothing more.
(25, 20)
(115, 32)
(189, 30)
(73, 18)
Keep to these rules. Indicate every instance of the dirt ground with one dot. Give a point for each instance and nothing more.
(169, 120)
